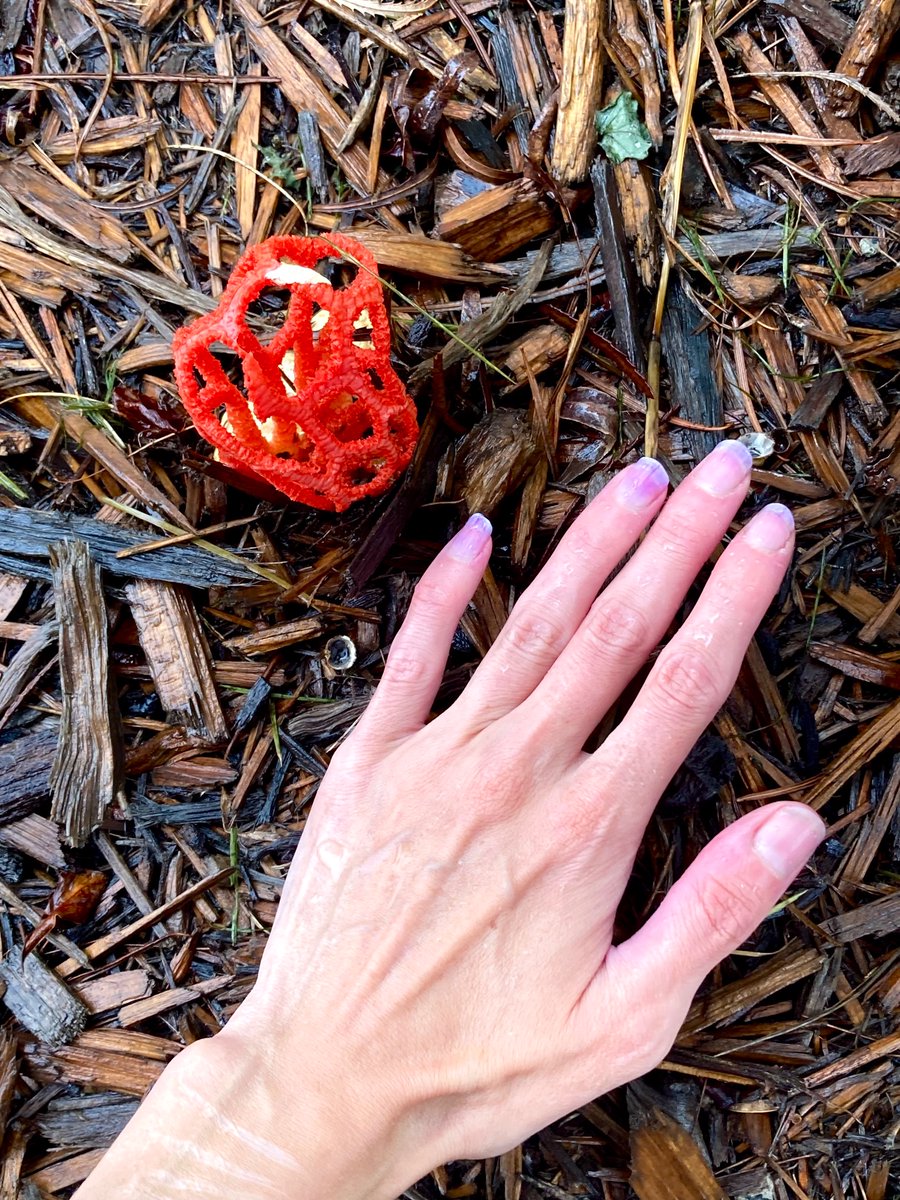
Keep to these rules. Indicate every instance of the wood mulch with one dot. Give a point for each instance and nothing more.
(169, 703)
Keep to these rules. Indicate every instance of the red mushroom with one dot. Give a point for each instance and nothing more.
(321, 415)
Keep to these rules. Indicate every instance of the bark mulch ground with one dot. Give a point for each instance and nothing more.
(180, 655)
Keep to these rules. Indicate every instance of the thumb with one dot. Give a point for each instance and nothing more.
(718, 902)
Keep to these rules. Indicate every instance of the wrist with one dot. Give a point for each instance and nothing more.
(229, 1122)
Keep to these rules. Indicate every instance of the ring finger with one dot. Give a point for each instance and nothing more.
(689, 683)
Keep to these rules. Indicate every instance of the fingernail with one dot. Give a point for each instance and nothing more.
(786, 840)
(725, 469)
(771, 529)
(643, 483)
(468, 544)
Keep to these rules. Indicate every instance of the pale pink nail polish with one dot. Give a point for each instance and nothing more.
(787, 838)
(771, 529)
(643, 483)
(726, 468)
(468, 544)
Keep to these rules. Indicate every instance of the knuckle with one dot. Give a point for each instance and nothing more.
(576, 819)
(581, 820)
(687, 683)
(676, 543)
(533, 636)
(429, 597)
(499, 792)
(509, 774)
(586, 542)
(728, 908)
(616, 629)
(403, 665)
(581, 826)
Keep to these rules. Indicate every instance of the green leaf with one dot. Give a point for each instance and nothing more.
(622, 133)
(279, 163)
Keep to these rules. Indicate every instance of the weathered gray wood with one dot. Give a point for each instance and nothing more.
(148, 813)
(26, 535)
(621, 278)
(39, 999)
(875, 919)
(87, 769)
(745, 242)
(23, 664)
(321, 719)
(509, 81)
(85, 1121)
(25, 765)
(12, 866)
(566, 260)
(687, 352)
(313, 155)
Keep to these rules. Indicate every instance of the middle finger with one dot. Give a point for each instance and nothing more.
(630, 616)
(552, 608)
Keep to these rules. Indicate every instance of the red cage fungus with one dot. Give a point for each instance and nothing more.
(321, 414)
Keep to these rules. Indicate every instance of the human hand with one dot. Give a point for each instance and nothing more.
(441, 966)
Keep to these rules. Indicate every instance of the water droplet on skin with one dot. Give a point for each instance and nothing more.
(333, 856)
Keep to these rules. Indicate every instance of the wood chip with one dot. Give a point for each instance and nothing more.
(498, 221)
(30, 532)
(288, 633)
(86, 774)
(179, 658)
(579, 93)
(39, 999)
(306, 92)
(62, 208)
(862, 52)
(665, 1160)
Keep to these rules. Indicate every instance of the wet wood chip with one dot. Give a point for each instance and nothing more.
(39, 999)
